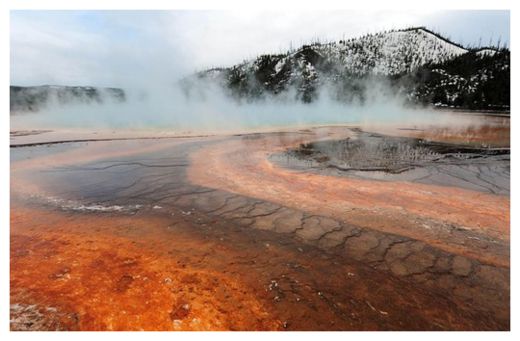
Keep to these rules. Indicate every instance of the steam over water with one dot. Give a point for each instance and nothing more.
(212, 110)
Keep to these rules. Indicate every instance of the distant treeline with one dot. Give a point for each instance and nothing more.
(416, 64)
(35, 98)
(475, 80)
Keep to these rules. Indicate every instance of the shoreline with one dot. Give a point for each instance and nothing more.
(32, 137)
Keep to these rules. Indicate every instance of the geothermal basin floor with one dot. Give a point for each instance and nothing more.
(218, 233)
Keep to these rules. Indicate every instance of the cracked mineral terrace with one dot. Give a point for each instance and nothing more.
(375, 156)
(329, 228)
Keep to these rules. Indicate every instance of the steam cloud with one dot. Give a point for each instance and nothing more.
(166, 107)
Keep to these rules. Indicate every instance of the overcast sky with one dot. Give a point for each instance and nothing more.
(124, 48)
